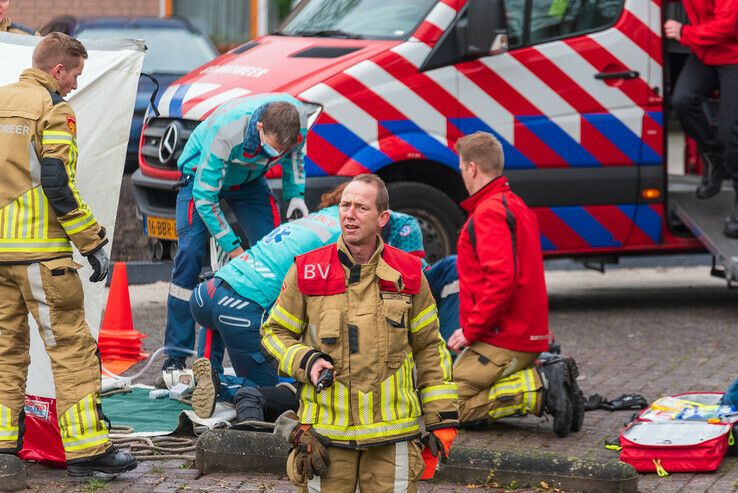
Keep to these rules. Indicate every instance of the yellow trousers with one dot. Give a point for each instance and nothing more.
(495, 383)
(388, 468)
(52, 292)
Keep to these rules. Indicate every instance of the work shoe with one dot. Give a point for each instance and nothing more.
(576, 395)
(206, 390)
(174, 363)
(713, 174)
(557, 394)
(113, 461)
(731, 224)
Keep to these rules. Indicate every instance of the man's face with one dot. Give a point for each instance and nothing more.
(67, 77)
(466, 174)
(4, 4)
(360, 219)
(269, 141)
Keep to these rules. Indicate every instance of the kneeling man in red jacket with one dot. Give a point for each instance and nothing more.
(503, 303)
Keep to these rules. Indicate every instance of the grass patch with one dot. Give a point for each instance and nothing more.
(95, 484)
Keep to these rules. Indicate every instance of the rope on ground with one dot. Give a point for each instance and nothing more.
(153, 448)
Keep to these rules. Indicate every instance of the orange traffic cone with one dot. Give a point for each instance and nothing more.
(119, 341)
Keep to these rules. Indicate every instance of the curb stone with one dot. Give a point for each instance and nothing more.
(506, 468)
(250, 451)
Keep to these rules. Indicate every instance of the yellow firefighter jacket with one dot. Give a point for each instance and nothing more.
(40, 207)
(8, 26)
(377, 323)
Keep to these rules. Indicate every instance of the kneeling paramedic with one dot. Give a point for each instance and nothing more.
(226, 158)
(363, 311)
(41, 211)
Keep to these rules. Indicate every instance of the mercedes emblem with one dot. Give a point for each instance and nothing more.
(169, 142)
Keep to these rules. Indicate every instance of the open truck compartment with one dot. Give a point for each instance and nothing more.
(705, 219)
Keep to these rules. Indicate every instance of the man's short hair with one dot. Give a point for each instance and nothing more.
(282, 120)
(484, 149)
(382, 194)
(56, 48)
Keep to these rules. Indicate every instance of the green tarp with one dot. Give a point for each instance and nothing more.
(136, 410)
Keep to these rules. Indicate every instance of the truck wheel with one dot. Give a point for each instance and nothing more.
(439, 217)
(155, 248)
(162, 249)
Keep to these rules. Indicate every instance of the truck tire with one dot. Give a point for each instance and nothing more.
(439, 216)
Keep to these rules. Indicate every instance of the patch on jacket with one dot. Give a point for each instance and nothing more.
(72, 124)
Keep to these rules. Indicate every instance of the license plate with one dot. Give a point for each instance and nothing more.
(162, 228)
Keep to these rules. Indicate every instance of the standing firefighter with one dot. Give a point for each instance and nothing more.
(6, 23)
(41, 211)
(362, 312)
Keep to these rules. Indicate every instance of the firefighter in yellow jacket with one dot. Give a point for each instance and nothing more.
(358, 318)
(41, 216)
(6, 23)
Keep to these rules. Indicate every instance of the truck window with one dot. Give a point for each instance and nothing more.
(547, 20)
(377, 19)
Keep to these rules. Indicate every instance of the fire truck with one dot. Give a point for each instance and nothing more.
(575, 90)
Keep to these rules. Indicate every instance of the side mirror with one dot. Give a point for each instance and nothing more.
(483, 29)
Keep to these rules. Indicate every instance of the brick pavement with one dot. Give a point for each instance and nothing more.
(653, 332)
(175, 476)
(648, 331)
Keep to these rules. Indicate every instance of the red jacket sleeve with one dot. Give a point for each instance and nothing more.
(495, 253)
(715, 31)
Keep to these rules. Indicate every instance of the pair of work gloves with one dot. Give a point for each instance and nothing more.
(312, 458)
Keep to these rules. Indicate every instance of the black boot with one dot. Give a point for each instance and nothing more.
(557, 395)
(113, 461)
(731, 224)
(577, 396)
(713, 174)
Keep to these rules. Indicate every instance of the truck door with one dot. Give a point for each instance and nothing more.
(570, 103)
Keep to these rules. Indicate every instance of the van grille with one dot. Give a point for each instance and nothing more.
(152, 136)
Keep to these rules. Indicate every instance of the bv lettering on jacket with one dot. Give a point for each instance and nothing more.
(310, 271)
(15, 129)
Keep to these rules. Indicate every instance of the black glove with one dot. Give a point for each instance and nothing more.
(625, 401)
(100, 263)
